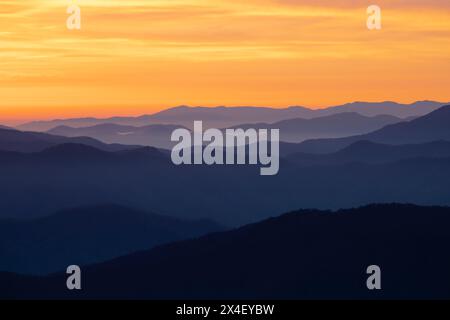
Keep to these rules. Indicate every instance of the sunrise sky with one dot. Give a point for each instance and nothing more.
(140, 56)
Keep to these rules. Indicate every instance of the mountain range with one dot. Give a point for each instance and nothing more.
(332, 126)
(35, 185)
(106, 196)
(370, 171)
(430, 127)
(308, 254)
(372, 153)
(15, 140)
(87, 235)
(222, 117)
(151, 135)
(293, 130)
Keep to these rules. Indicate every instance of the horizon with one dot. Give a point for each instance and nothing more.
(21, 121)
(197, 52)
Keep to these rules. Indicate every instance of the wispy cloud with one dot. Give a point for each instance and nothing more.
(156, 53)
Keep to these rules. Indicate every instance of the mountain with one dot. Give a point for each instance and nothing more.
(14, 140)
(217, 117)
(34, 185)
(333, 126)
(431, 127)
(294, 130)
(222, 117)
(307, 254)
(395, 109)
(87, 235)
(68, 154)
(370, 152)
(151, 135)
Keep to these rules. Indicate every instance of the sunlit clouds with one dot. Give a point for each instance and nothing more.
(138, 56)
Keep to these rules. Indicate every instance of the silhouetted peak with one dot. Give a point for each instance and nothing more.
(443, 111)
(439, 118)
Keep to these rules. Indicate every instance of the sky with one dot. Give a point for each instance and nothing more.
(140, 56)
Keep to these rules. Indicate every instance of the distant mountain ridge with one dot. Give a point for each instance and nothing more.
(70, 175)
(221, 117)
(14, 140)
(293, 130)
(371, 109)
(434, 126)
(307, 254)
(151, 135)
(331, 126)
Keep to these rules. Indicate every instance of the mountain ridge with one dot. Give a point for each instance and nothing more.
(157, 135)
(430, 127)
(296, 262)
(230, 195)
(88, 234)
(229, 116)
(293, 130)
(369, 152)
(328, 126)
(24, 141)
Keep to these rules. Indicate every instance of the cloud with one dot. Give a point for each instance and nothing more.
(279, 52)
(399, 4)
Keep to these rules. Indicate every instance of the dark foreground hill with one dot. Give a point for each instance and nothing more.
(88, 235)
(301, 255)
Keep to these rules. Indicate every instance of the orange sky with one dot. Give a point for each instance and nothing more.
(139, 56)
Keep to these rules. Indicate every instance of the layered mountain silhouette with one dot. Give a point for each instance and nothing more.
(14, 140)
(371, 153)
(222, 117)
(431, 127)
(152, 135)
(70, 175)
(308, 254)
(182, 116)
(332, 126)
(55, 185)
(87, 235)
(294, 130)
(76, 153)
(416, 109)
